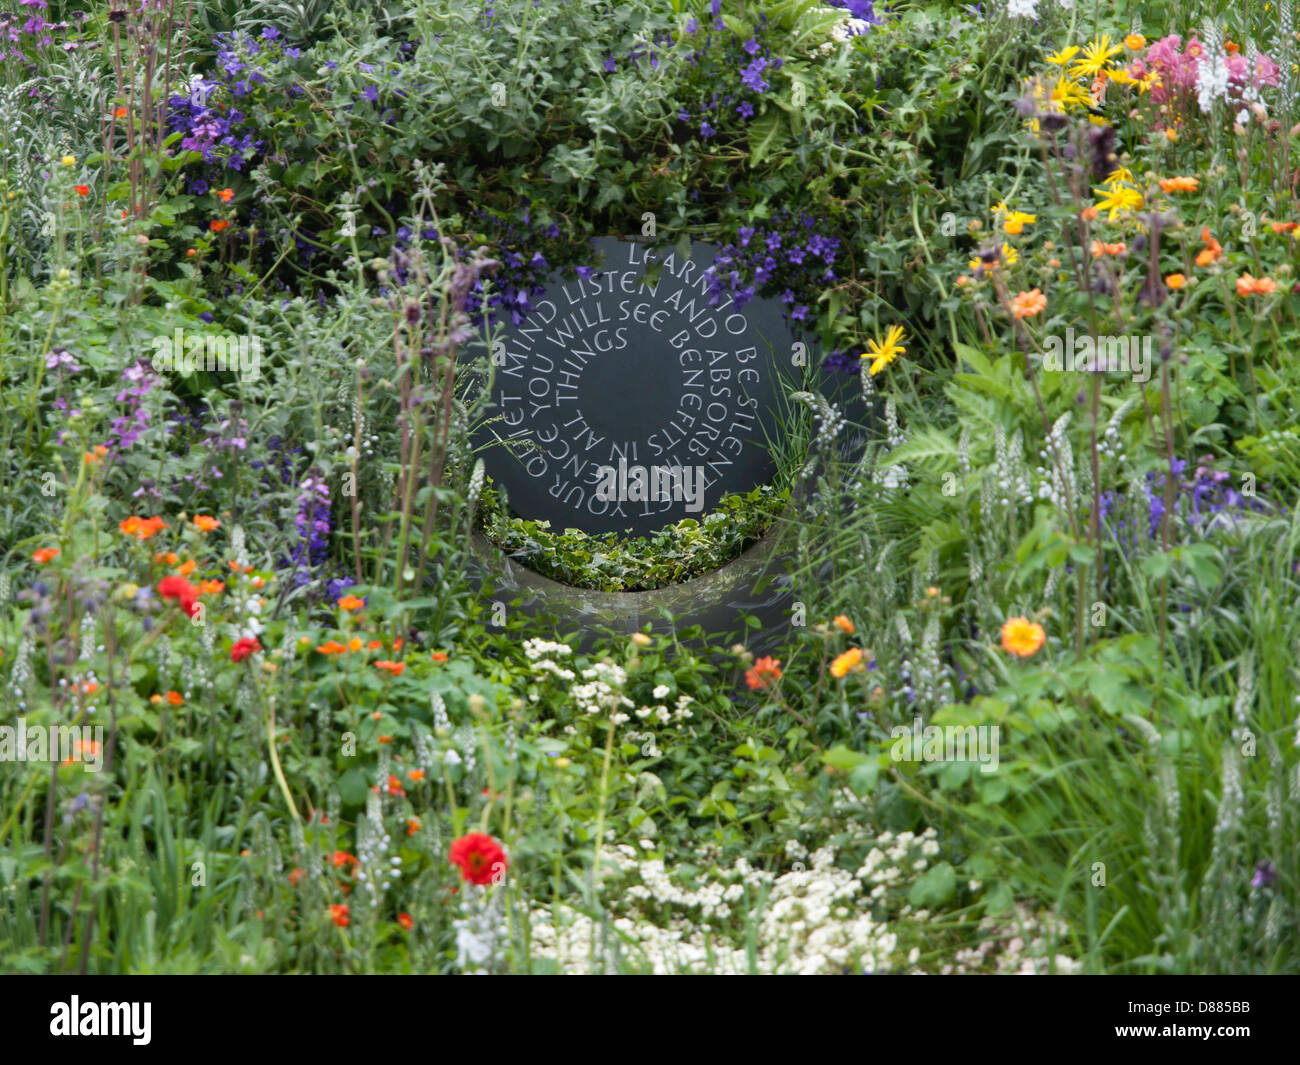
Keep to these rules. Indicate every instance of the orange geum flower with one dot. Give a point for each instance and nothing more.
(1284, 227)
(333, 647)
(340, 858)
(1179, 184)
(355, 644)
(175, 698)
(1212, 250)
(850, 660)
(141, 528)
(339, 914)
(374, 645)
(82, 190)
(1248, 286)
(296, 875)
(1176, 281)
(764, 671)
(225, 195)
(43, 555)
(351, 602)
(395, 668)
(439, 656)
(218, 224)
(1099, 249)
(1088, 213)
(186, 567)
(1022, 637)
(412, 825)
(416, 775)
(844, 624)
(1028, 304)
(204, 523)
(1135, 42)
(385, 739)
(404, 919)
(211, 587)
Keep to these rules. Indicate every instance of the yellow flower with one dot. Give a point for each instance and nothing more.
(1064, 55)
(68, 160)
(882, 353)
(1015, 222)
(1096, 54)
(1117, 199)
(1067, 94)
(849, 660)
(1120, 175)
(1022, 637)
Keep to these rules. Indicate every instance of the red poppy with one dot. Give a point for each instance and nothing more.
(480, 857)
(245, 647)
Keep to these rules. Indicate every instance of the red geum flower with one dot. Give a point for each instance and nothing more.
(480, 857)
(182, 591)
(245, 647)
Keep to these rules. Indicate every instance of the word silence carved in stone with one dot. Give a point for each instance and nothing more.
(625, 404)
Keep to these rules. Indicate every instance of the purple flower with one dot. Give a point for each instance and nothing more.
(745, 110)
(611, 64)
(706, 131)
(1264, 875)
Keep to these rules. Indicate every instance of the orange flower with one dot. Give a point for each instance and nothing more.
(333, 647)
(351, 602)
(412, 825)
(1022, 637)
(204, 523)
(439, 656)
(1179, 184)
(142, 528)
(82, 190)
(175, 698)
(376, 644)
(1088, 214)
(1247, 285)
(385, 739)
(394, 785)
(404, 919)
(225, 195)
(765, 670)
(339, 914)
(355, 644)
(395, 668)
(845, 625)
(79, 751)
(1284, 227)
(257, 582)
(1175, 281)
(1213, 249)
(1099, 249)
(296, 875)
(397, 644)
(1135, 42)
(1028, 304)
(416, 775)
(186, 568)
(89, 688)
(343, 858)
(120, 113)
(850, 660)
(211, 587)
(44, 555)
(218, 224)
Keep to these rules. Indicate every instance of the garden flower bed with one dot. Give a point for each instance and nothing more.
(991, 671)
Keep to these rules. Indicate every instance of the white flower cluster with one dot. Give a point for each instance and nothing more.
(536, 650)
(662, 714)
(1003, 948)
(818, 919)
(603, 691)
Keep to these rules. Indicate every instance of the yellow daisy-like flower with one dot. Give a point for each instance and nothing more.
(1096, 55)
(883, 353)
(1117, 199)
(1121, 175)
(1015, 222)
(1063, 56)
(1066, 94)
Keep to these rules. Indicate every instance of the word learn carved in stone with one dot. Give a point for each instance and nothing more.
(621, 399)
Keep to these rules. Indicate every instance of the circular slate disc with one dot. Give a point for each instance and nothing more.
(622, 404)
